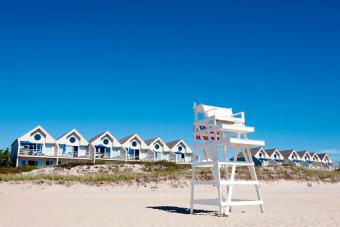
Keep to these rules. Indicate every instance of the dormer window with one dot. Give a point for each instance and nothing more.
(72, 139)
(106, 141)
(37, 137)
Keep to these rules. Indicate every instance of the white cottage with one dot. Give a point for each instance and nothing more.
(159, 148)
(305, 156)
(274, 154)
(259, 156)
(291, 156)
(72, 145)
(306, 159)
(325, 159)
(314, 157)
(105, 146)
(37, 147)
(180, 151)
(136, 148)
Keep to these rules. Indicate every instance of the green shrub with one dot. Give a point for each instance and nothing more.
(5, 158)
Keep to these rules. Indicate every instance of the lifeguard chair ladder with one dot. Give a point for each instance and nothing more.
(216, 131)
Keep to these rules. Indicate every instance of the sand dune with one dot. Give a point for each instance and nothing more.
(286, 204)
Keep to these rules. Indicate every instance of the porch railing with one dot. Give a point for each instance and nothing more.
(32, 152)
(73, 155)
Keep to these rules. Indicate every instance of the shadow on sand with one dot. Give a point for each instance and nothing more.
(182, 210)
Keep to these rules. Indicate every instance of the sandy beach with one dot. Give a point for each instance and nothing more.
(287, 203)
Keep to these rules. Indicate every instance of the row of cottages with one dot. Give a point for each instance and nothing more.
(273, 157)
(37, 147)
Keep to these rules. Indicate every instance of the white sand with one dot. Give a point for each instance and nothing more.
(286, 204)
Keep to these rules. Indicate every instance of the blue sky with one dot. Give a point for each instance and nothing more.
(138, 66)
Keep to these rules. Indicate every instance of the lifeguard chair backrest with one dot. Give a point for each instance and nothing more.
(217, 112)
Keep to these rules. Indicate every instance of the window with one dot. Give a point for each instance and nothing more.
(260, 155)
(180, 148)
(106, 141)
(275, 156)
(72, 139)
(37, 136)
(134, 143)
(157, 146)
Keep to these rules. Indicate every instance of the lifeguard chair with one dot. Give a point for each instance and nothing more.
(218, 131)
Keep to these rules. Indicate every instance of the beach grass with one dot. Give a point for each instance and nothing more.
(157, 171)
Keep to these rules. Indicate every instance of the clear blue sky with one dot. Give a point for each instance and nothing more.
(138, 66)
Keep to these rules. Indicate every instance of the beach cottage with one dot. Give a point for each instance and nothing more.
(105, 146)
(136, 148)
(159, 148)
(37, 147)
(291, 157)
(180, 151)
(314, 157)
(259, 156)
(73, 146)
(306, 159)
(326, 160)
(275, 155)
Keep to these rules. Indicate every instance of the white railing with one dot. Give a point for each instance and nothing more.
(147, 158)
(73, 155)
(32, 152)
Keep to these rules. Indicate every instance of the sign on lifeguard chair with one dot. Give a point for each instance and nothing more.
(218, 131)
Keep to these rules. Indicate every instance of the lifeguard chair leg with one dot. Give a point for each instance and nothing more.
(254, 178)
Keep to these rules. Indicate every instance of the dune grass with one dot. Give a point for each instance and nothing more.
(162, 170)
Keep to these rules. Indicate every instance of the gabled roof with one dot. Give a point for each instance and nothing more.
(286, 153)
(172, 145)
(253, 152)
(323, 156)
(63, 138)
(98, 137)
(271, 151)
(302, 153)
(152, 141)
(126, 138)
(313, 154)
(26, 136)
(125, 141)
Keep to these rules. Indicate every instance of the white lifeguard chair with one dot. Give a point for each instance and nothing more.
(216, 131)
